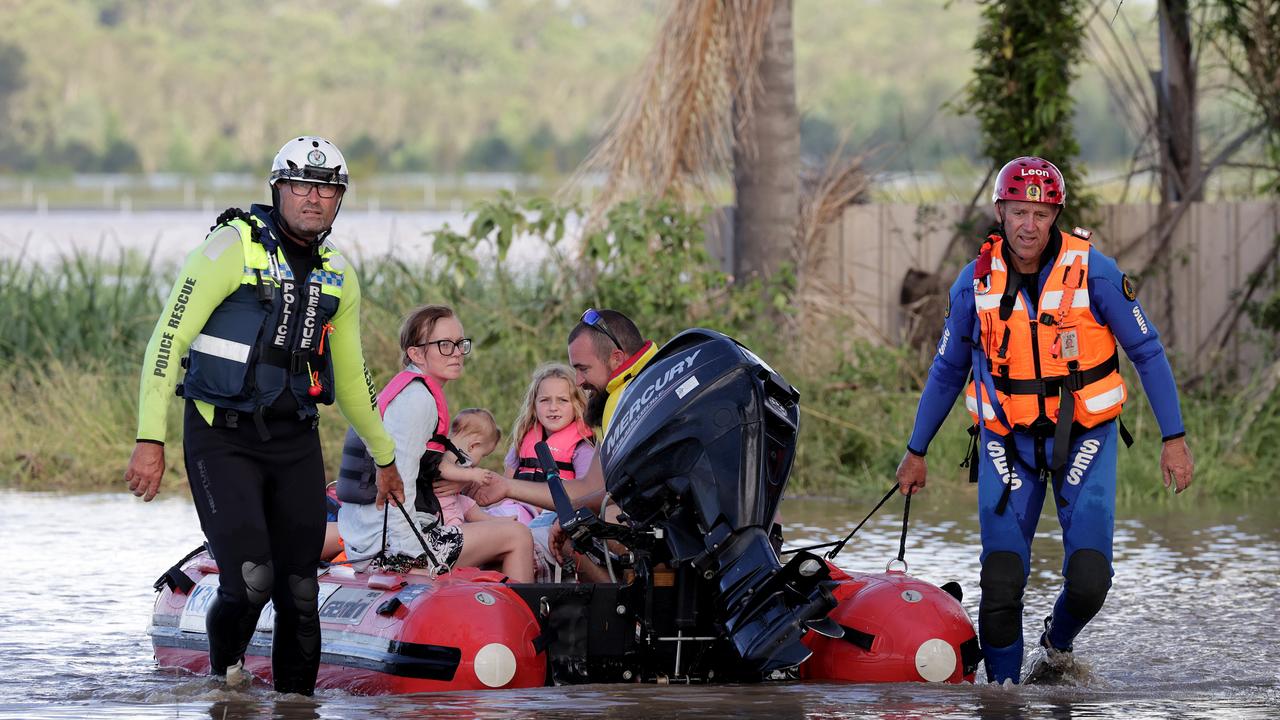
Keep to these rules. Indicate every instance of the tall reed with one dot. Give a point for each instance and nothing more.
(83, 308)
(73, 335)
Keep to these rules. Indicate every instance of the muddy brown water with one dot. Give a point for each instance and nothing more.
(1189, 630)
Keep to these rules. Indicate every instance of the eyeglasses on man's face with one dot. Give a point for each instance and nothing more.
(303, 189)
(592, 317)
(447, 347)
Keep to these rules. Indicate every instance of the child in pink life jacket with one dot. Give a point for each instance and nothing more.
(552, 411)
(473, 436)
(415, 413)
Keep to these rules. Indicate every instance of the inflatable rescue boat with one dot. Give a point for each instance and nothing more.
(697, 459)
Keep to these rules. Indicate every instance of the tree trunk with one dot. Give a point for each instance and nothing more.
(766, 160)
(1176, 106)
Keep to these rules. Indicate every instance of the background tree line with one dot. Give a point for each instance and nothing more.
(451, 85)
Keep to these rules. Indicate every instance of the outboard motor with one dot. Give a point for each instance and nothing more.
(700, 448)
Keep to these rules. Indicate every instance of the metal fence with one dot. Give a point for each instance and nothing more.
(1191, 291)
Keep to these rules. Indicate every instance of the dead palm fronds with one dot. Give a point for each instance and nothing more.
(675, 130)
(820, 307)
(842, 183)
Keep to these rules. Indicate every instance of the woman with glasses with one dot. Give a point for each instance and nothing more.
(416, 414)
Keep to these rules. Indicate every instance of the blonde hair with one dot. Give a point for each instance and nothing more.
(528, 417)
(417, 327)
(478, 421)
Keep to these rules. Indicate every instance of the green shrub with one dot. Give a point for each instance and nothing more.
(74, 334)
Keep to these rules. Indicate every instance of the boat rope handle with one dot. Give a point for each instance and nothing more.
(902, 543)
(427, 551)
(837, 546)
(382, 554)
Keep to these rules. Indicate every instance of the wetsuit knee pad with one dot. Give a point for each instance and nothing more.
(305, 590)
(1000, 609)
(258, 579)
(1088, 578)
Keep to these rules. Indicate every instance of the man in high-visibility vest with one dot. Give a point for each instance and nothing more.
(265, 318)
(1036, 319)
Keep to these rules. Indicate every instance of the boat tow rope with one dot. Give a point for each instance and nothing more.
(435, 564)
(902, 542)
(381, 555)
(177, 580)
(837, 546)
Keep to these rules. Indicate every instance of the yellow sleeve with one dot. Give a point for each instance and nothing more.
(353, 385)
(211, 272)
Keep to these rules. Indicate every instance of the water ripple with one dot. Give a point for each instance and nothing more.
(1187, 631)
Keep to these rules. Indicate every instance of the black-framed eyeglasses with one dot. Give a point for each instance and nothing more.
(592, 317)
(446, 347)
(303, 189)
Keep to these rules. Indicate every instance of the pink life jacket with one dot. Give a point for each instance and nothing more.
(399, 383)
(562, 443)
(356, 477)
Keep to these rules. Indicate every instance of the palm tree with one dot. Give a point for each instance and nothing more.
(715, 99)
(766, 159)
(1175, 94)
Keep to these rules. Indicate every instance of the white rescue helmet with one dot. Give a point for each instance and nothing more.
(309, 159)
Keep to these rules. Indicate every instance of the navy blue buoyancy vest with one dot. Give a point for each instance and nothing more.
(269, 334)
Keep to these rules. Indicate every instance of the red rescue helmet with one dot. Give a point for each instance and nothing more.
(1030, 179)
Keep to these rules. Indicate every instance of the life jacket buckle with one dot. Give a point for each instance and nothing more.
(298, 362)
(971, 457)
(1042, 427)
(1006, 306)
(263, 291)
(1074, 380)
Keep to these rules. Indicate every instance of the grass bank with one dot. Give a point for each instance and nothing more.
(73, 336)
(68, 425)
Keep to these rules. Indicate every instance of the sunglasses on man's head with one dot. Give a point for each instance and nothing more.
(592, 318)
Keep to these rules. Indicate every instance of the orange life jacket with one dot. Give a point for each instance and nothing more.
(562, 443)
(1062, 360)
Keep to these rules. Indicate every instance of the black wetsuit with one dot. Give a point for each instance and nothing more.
(262, 508)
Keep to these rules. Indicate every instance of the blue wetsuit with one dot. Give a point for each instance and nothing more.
(1086, 493)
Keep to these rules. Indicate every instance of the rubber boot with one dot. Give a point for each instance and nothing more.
(1062, 627)
(1052, 665)
(1003, 663)
(229, 624)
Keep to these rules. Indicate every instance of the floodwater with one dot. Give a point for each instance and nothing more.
(1189, 629)
(361, 233)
